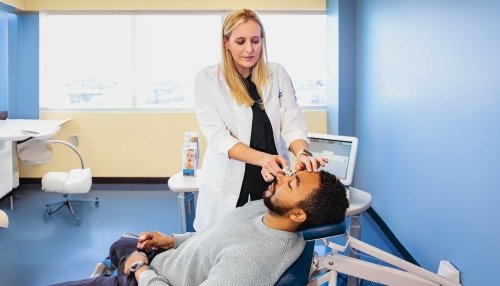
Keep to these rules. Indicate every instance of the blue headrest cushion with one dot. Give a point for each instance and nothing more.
(323, 231)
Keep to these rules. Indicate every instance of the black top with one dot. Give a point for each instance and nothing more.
(262, 139)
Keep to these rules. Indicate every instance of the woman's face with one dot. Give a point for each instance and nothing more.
(245, 44)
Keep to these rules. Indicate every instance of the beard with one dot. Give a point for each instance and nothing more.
(276, 207)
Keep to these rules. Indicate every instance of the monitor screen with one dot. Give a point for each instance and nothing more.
(340, 151)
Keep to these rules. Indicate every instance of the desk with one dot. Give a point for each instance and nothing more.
(359, 201)
(7, 178)
(12, 130)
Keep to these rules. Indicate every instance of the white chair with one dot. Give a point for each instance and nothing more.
(76, 181)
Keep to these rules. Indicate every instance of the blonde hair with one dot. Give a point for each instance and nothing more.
(229, 71)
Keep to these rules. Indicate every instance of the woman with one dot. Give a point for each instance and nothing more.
(247, 110)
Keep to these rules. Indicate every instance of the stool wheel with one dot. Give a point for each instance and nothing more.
(46, 213)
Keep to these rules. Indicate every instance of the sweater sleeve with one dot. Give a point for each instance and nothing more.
(151, 278)
(230, 271)
(181, 238)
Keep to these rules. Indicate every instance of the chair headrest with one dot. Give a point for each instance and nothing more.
(326, 230)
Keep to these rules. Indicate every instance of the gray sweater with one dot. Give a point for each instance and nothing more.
(238, 250)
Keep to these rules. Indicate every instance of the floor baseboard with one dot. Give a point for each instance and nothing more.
(110, 180)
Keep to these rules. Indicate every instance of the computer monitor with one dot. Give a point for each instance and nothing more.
(340, 151)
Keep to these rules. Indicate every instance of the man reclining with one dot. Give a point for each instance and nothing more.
(253, 245)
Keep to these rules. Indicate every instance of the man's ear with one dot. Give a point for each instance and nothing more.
(298, 215)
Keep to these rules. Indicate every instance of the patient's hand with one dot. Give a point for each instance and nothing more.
(155, 240)
(134, 257)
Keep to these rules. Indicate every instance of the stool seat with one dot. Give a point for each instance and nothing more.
(76, 181)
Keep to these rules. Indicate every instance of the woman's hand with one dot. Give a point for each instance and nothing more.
(155, 240)
(309, 163)
(271, 166)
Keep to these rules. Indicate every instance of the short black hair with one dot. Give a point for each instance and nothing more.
(327, 204)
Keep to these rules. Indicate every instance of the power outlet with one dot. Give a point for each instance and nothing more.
(74, 140)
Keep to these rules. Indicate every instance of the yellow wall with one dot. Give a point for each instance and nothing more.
(129, 144)
(19, 4)
(145, 5)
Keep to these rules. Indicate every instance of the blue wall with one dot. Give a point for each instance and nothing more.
(341, 43)
(347, 67)
(13, 65)
(28, 41)
(4, 60)
(19, 63)
(428, 107)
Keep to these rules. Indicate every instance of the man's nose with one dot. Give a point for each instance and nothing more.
(281, 177)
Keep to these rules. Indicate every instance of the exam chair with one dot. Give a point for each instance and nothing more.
(298, 274)
(313, 270)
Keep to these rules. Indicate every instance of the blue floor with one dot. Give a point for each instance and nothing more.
(39, 250)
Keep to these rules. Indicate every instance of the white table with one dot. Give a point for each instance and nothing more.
(12, 130)
(7, 178)
(186, 186)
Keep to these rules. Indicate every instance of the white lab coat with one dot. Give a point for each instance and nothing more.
(224, 123)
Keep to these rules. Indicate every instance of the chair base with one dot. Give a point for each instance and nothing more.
(68, 202)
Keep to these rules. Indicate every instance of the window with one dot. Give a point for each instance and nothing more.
(170, 50)
(298, 42)
(88, 62)
(149, 61)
